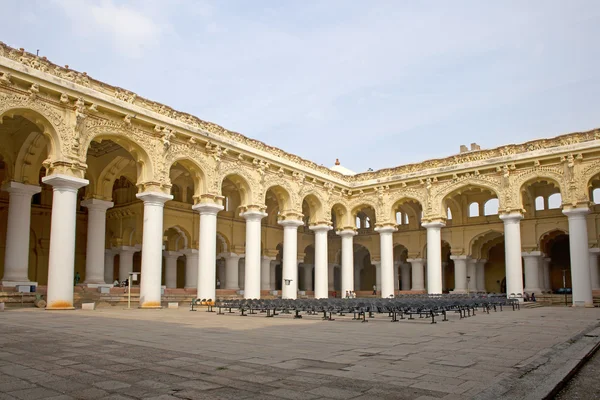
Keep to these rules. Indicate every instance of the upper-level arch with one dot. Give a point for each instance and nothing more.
(134, 141)
(50, 122)
(460, 196)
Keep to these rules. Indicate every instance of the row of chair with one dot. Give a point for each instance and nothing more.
(398, 308)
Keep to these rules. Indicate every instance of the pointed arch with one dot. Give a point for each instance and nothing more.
(51, 124)
(479, 241)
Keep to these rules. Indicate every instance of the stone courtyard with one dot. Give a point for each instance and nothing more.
(115, 353)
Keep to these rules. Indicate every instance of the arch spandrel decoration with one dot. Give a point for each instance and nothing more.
(146, 150)
(289, 193)
(61, 137)
(250, 178)
(200, 165)
(536, 174)
(440, 191)
(400, 197)
(321, 208)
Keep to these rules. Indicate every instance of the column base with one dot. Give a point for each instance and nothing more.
(97, 285)
(583, 305)
(459, 291)
(17, 283)
(60, 306)
(417, 289)
(532, 290)
(151, 306)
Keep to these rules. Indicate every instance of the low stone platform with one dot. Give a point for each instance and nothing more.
(172, 354)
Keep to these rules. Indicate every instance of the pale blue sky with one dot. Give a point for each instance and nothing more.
(377, 83)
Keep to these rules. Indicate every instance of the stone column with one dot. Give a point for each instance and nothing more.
(171, 268)
(386, 249)
(152, 242)
(330, 277)
(434, 256)
(396, 276)
(274, 265)
(207, 254)
(347, 236)
(377, 265)
(532, 268)
(546, 274)
(232, 265)
(265, 272)
(289, 269)
(126, 261)
(307, 271)
(405, 271)
(191, 268)
(471, 275)
(96, 236)
(357, 270)
(417, 273)
(460, 274)
(61, 260)
(109, 266)
(594, 276)
(512, 250)
(221, 274)
(252, 273)
(242, 272)
(321, 261)
(16, 257)
(480, 271)
(580, 257)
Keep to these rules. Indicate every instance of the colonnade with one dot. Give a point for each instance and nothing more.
(259, 273)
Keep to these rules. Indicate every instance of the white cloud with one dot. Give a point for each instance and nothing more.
(129, 27)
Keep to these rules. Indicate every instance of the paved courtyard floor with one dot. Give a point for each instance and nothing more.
(177, 354)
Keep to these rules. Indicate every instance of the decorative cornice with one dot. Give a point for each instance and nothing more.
(127, 100)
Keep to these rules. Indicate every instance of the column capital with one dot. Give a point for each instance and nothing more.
(290, 222)
(433, 224)
(321, 228)
(576, 212)
(347, 232)
(189, 252)
(461, 257)
(97, 204)
(594, 250)
(65, 182)
(385, 229)
(154, 198)
(171, 254)
(253, 215)
(531, 254)
(21, 188)
(125, 249)
(511, 217)
(207, 208)
(415, 260)
(267, 258)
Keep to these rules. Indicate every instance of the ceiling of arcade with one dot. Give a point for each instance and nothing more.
(121, 134)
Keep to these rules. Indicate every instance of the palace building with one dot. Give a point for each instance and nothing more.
(98, 182)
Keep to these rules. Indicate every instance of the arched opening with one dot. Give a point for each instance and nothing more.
(306, 270)
(491, 207)
(26, 140)
(365, 273)
(364, 217)
(555, 245)
(468, 202)
(408, 213)
(539, 196)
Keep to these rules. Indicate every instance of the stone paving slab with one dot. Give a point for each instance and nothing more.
(176, 354)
